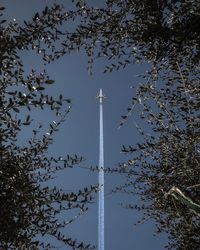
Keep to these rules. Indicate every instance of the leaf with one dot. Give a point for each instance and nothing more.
(49, 81)
(28, 118)
(15, 109)
(36, 16)
(45, 10)
(26, 123)
(40, 88)
(124, 117)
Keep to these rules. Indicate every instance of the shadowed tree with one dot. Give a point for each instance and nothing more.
(30, 207)
(166, 163)
(126, 32)
(166, 35)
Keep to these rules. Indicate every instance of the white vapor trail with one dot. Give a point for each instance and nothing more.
(101, 182)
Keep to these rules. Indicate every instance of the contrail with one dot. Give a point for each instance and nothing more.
(101, 178)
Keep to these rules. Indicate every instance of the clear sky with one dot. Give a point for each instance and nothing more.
(79, 134)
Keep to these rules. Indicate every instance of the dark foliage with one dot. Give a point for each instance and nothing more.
(169, 156)
(166, 34)
(130, 31)
(30, 208)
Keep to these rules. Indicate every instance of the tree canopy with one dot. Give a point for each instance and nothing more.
(163, 33)
(169, 157)
(30, 208)
(166, 35)
(129, 31)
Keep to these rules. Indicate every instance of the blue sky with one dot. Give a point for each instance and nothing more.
(79, 134)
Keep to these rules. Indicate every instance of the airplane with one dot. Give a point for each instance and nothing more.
(100, 96)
